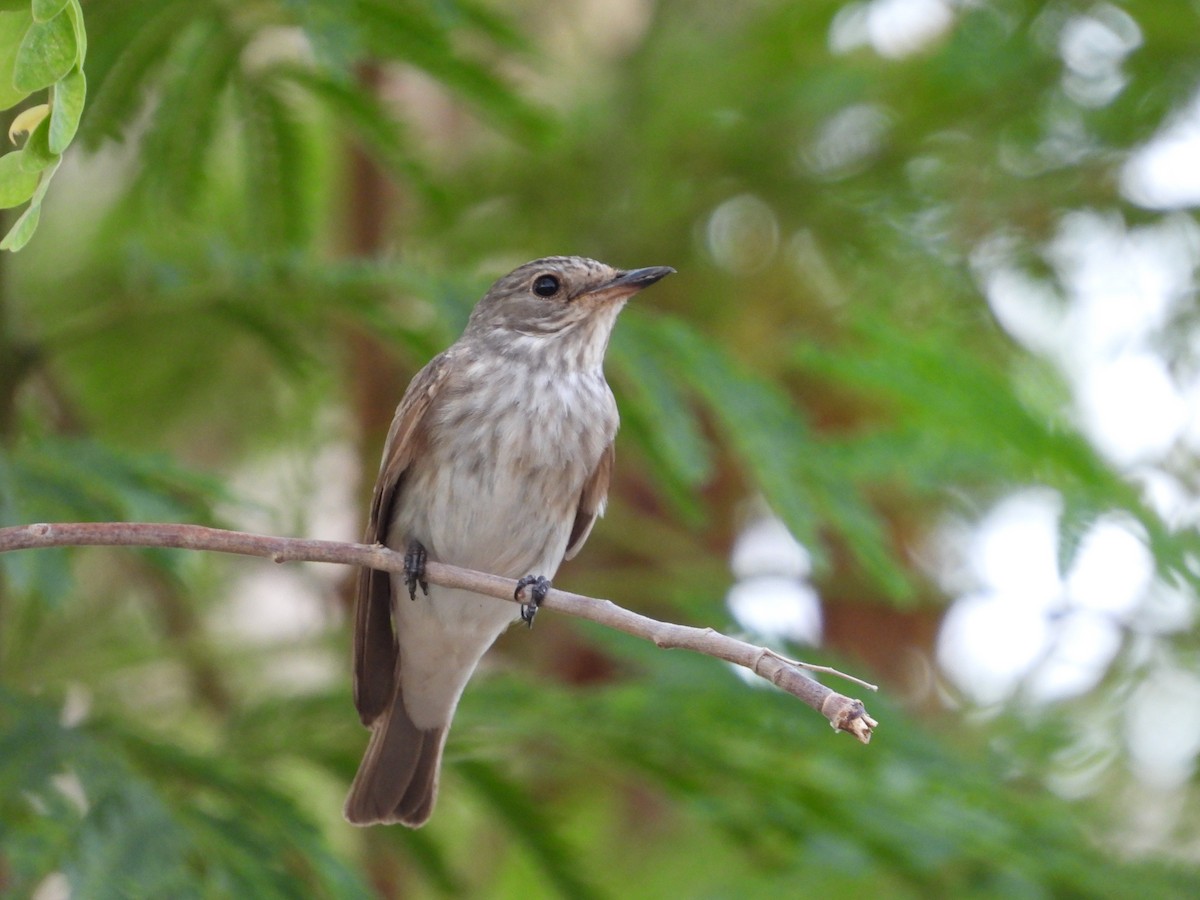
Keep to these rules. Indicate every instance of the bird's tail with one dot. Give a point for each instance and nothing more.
(398, 778)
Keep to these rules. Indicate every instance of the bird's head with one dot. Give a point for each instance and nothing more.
(559, 299)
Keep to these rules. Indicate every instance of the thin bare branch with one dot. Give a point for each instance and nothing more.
(844, 713)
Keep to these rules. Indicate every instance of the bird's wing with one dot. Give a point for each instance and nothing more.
(375, 646)
(591, 502)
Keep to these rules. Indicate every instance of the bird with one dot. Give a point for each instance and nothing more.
(498, 459)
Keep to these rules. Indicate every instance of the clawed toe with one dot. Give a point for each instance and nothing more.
(414, 569)
(539, 587)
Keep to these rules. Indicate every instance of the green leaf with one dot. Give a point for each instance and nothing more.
(676, 434)
(655, 411)
(18, 236)
(14, 23)
(531, 826)
(505, 33)
(180, 141)
(76, 14)
(17, 183)
(44, 177)
(806, 485)
(35, 574)
(45, 10)
(1076, 519)
(277, 166)
(157, 820)
(36, 154)
(123, 69)
(397, 32)
(66, 108)
(48, 51)
(759, 421)
(368, 119)
(60, 479)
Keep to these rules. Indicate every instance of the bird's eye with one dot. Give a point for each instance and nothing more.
(546, 285)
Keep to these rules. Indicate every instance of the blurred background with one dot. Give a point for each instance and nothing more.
(923, 402)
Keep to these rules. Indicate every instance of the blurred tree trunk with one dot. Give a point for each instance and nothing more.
(376, 378)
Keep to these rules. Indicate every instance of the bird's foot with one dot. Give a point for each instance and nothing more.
(414, 569)
(539, 587)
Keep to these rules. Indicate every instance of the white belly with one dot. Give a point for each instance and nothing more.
(497, 491)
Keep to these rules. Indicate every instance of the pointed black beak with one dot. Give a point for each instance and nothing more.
(626, 284)
(636, 279)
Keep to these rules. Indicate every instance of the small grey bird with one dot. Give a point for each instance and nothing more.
(498, 459)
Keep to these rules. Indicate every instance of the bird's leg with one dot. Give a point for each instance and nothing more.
(414, 568)
(539, 587)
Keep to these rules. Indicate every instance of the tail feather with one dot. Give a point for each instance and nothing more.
(398, 778)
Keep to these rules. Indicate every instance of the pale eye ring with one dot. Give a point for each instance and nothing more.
(546, 285)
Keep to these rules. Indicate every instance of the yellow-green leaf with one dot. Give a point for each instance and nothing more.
(36, 154)
(28, 120)
(45, 10)
(44, 177)
(76, 14)
(13, 25)
(47, 53)
(69, 95)
(18, 236)
(16, 183)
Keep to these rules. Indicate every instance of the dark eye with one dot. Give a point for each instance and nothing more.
(546, 285)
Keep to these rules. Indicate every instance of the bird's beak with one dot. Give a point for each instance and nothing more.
(628, 283)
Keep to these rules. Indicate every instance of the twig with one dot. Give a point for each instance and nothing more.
(844, 713)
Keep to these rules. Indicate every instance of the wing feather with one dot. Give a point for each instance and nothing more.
(591, 502)
(375, 645)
